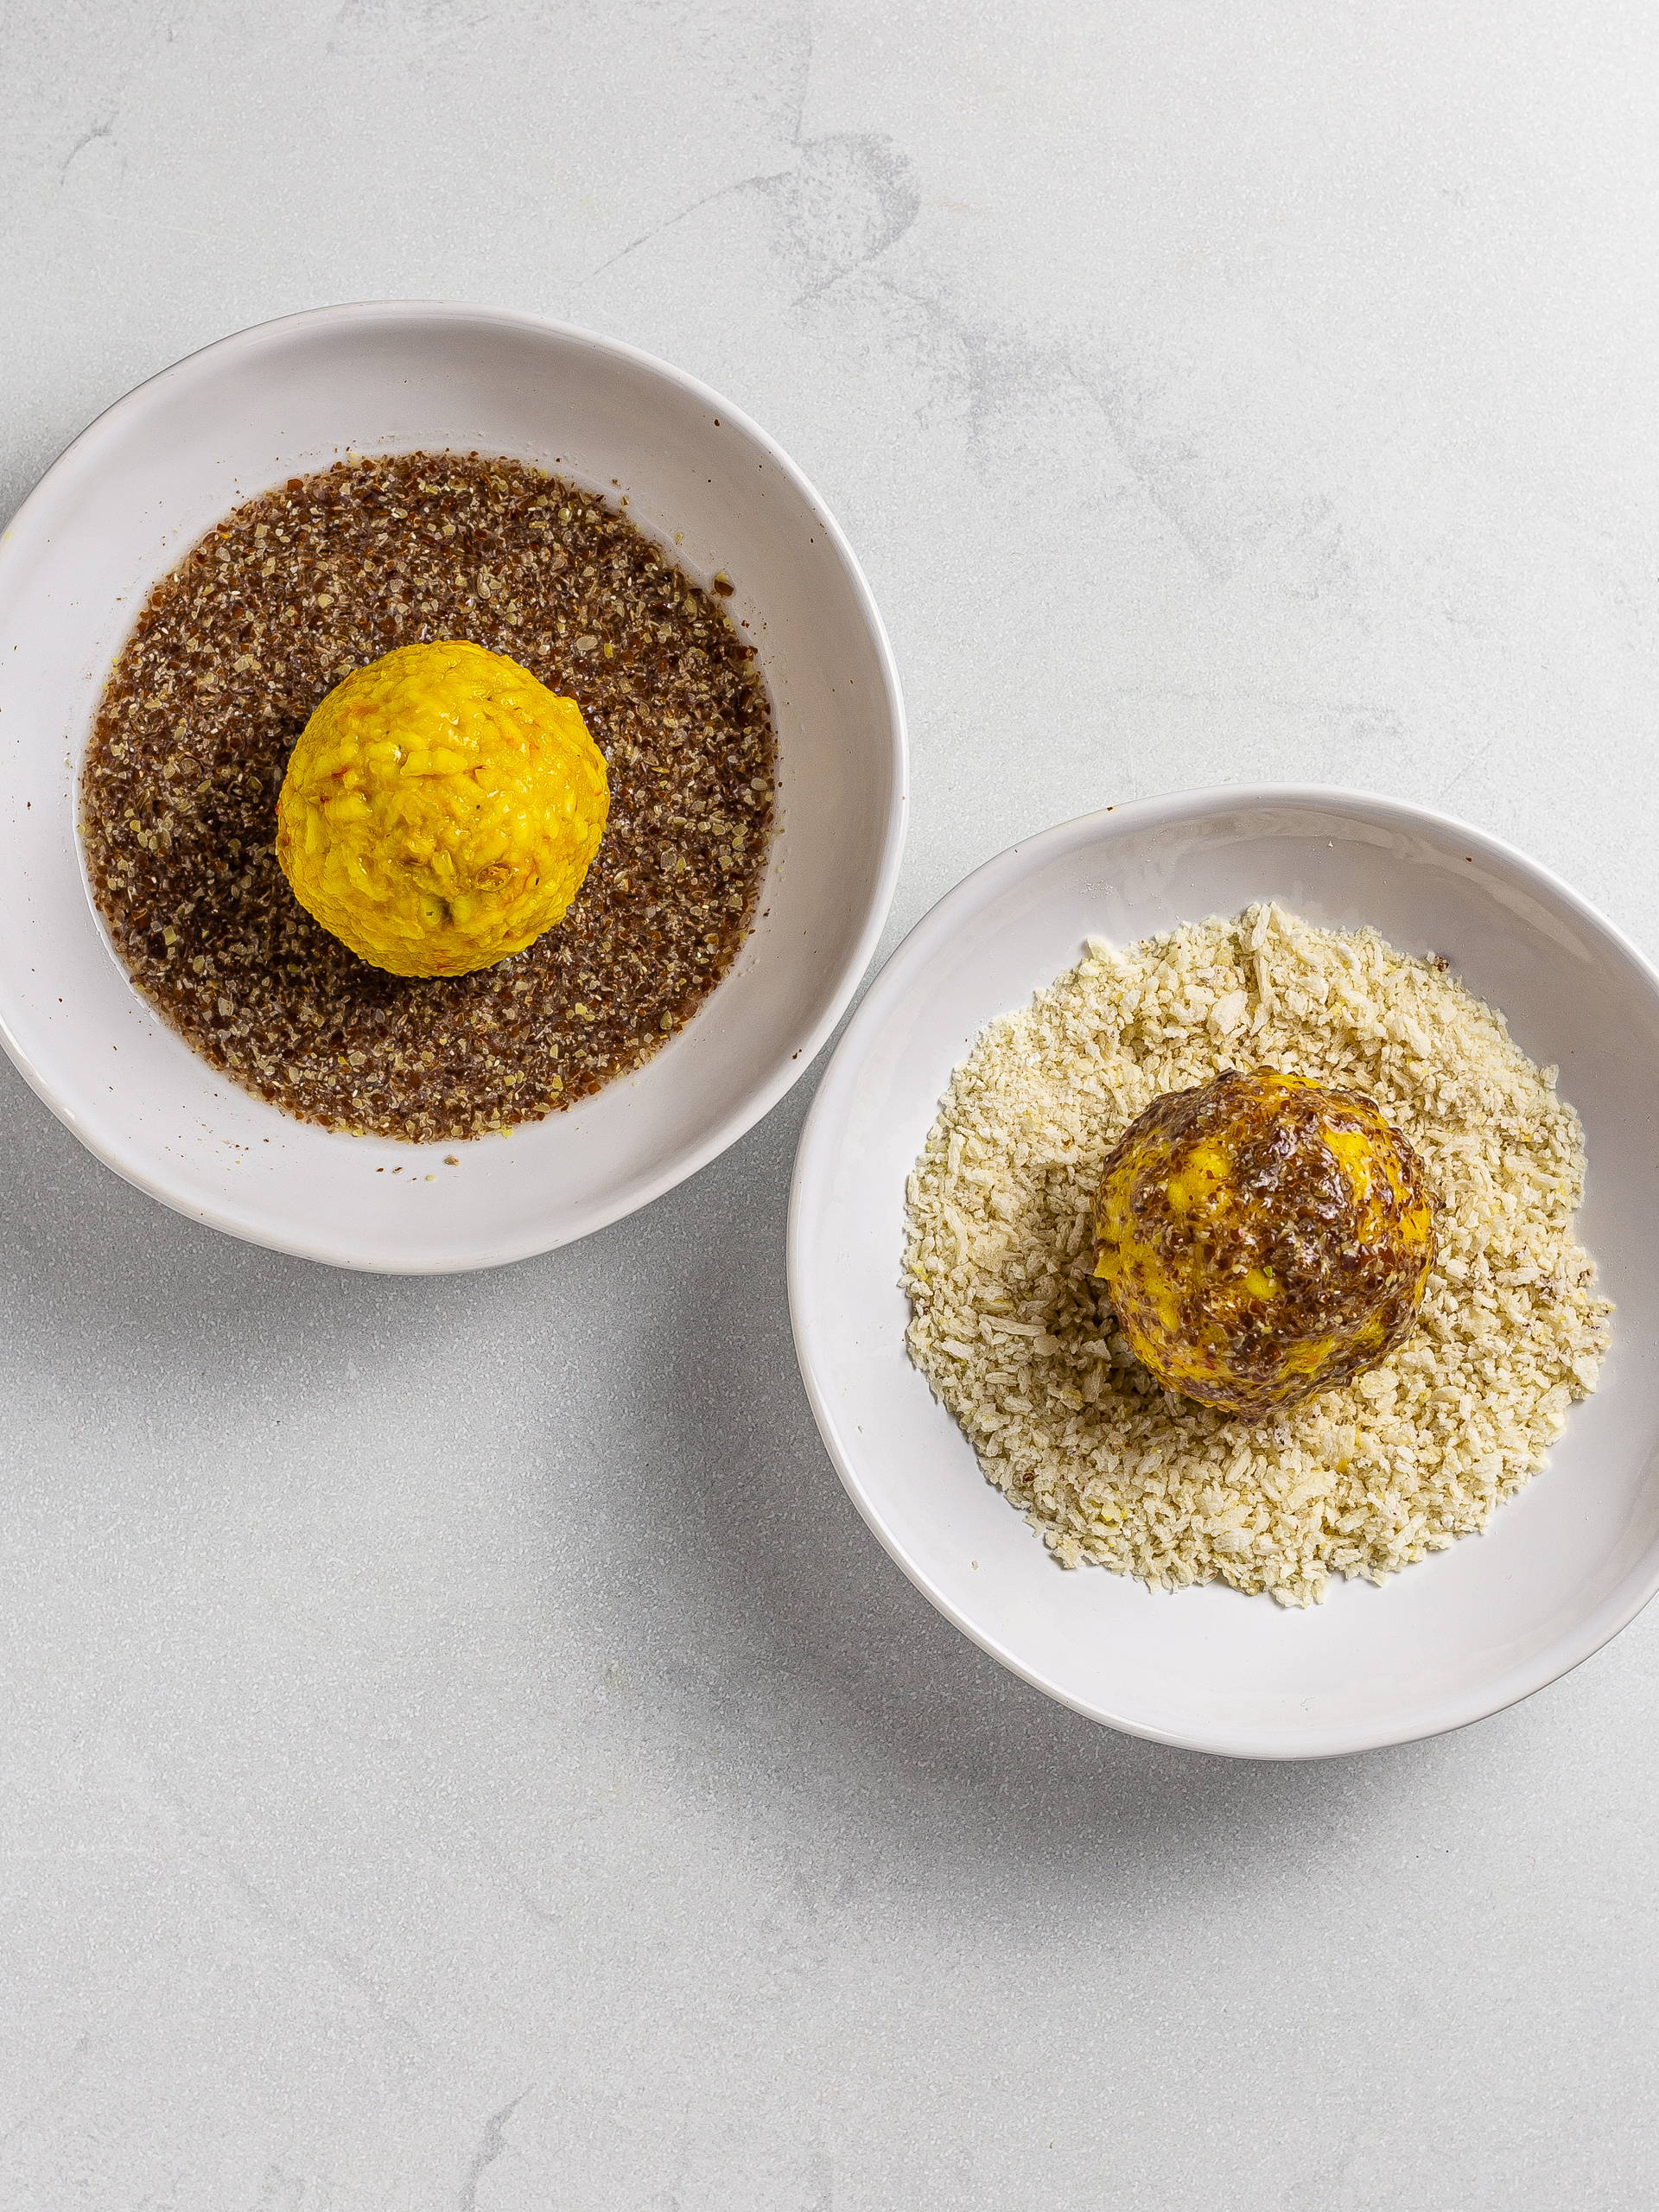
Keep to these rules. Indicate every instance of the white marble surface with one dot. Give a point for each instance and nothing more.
(458, 1747)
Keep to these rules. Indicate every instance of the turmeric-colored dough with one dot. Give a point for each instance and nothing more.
(1261, 1237)
(440, 809)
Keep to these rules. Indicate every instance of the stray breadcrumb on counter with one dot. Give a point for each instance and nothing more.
(1021, 1346)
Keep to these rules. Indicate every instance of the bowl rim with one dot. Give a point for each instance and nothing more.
(986, 882)
(80, 457)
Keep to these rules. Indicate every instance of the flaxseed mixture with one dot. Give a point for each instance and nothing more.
(228, 658)
(1010, 1330)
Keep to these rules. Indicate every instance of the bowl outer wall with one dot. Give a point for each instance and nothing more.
(159, 467)
(1564, 1566)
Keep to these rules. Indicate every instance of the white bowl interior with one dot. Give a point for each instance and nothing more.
(115, 513)
(1563, 1566)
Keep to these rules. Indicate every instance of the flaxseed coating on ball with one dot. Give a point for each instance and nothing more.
(1262, 1238)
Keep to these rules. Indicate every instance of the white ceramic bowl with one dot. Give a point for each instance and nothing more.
(1563, 1566)
(115, 513)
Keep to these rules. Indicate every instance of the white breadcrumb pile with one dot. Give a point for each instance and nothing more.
(1021, 1346)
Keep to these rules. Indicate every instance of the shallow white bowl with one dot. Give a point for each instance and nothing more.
(1564, 1566)
(131, 495)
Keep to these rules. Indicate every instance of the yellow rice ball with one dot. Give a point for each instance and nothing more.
(440, 809)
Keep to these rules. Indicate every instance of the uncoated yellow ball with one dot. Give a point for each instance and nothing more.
(440, 809)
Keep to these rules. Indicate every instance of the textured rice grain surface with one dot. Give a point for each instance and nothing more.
(1019, 1344)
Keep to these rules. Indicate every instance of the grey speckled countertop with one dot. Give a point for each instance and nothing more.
(458, 1747)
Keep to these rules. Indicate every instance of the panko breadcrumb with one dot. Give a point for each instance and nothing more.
(1019, 1344)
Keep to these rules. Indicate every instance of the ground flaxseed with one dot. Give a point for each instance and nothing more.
(230, 655)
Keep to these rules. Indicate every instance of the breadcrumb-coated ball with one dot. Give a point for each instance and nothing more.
(440, 809)
(1261, 1237)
